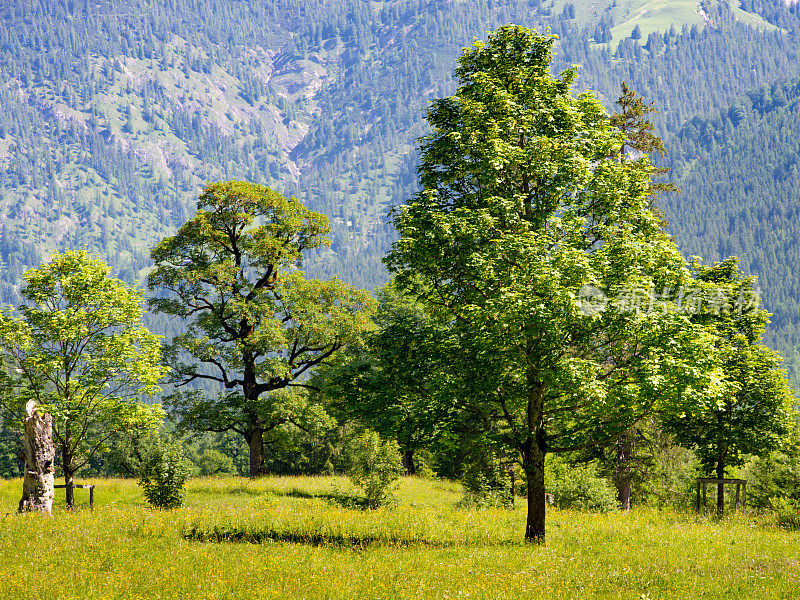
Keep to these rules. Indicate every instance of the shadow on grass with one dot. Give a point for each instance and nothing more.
(234, 536)
(238, 490)
(339, 499)
(229, 535)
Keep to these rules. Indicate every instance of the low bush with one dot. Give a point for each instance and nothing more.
(163, 474)
(580, 489)
(487, 482)
(375, 465)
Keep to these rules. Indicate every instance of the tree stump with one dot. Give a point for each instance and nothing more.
(40, 453)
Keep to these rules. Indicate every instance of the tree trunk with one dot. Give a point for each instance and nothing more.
(67, 465)
(533, 464)
(69, 477)
(622, 475)
(255, 434)
(513, 488)
(720, 487)
(408, 462)
(533, 452)
(40, 453)
(255, 441)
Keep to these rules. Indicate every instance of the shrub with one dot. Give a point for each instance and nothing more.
(580, 489)
(163, 474)
(374, 466)
(787, 514)
(487, 481)
(773, 481)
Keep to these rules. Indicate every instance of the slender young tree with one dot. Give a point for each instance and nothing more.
(78, 349)
(541, 246)
(639, 142)
(255, 327)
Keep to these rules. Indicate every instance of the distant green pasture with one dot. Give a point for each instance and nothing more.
(650, 15)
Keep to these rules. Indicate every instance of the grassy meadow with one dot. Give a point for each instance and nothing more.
(293, 537)
(651, 15)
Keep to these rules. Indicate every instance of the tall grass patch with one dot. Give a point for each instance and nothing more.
(287, 538)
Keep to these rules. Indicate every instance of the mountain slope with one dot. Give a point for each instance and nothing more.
(114, 113)
(739, 172)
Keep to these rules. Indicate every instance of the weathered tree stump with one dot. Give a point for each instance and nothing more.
(40, 453)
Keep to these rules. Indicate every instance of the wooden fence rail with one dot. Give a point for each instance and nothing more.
(89, 487)
(739, 483)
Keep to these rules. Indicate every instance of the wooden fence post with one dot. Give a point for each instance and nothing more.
(705, 502)
(87, 486)
(698, 495)
(741, 491)
(744, 497)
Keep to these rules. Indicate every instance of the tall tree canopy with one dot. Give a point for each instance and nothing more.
(539, 242)
(255, 326)
(78, 348)
(389, 384)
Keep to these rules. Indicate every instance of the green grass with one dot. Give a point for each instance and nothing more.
(288, 538)
(650, 15)
(658, 15)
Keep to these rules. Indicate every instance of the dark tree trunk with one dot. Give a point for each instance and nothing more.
(720, 486)
(255, 441)
(68, 467)
(408, 462)
(533, 451)
(40, 453)
(533, 465)
(69, 481)
(623, 471)
(513, 490)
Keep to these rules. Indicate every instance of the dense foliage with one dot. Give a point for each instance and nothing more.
(527, 208)
(389, 383)
(77, 347)
(580, 489)
(255, 327)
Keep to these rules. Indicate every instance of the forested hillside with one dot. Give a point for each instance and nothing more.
(113, 113)
(739, 172)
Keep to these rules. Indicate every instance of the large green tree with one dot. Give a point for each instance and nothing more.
(76, 346)
(255, 327)
(541, 246)
(752, 409)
